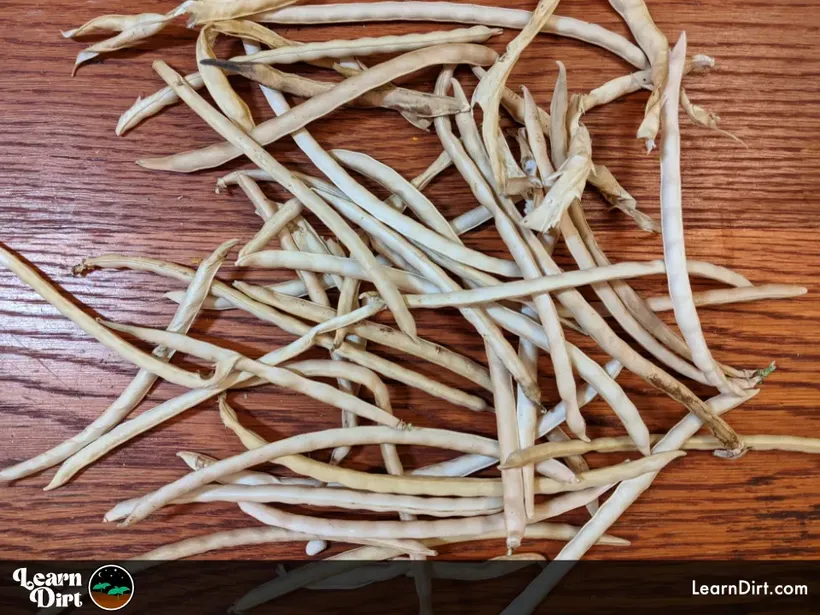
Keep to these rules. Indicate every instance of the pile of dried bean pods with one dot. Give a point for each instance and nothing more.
(400, 255)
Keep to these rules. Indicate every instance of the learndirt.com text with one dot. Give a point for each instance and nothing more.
(748, 588)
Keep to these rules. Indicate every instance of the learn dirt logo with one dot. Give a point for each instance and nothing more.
(111, 587)
(51, 589)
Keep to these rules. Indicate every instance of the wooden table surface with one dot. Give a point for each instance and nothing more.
(70, 189)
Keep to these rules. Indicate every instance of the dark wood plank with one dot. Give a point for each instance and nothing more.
(70, 189)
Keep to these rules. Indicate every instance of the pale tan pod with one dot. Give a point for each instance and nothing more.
(568, 188)
(491, 88)
(452, 12)
(617, 196)
(127, 38)
(204, 11)
(112, 23)
(217, 83)
(153, 104)
(673, 231)
(319, 106)
(536, 137)
(704, 117)
(419, 104)
(559, 129)
(653, 42)
(368, 46)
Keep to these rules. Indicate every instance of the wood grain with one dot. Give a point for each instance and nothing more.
(70, 188)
